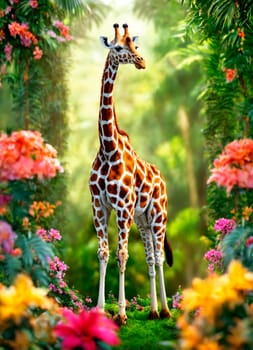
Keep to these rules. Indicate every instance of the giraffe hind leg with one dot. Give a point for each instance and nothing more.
(146, 236)
(159, 257)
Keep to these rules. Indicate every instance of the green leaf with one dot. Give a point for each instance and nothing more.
(42, 250)
(12, 266)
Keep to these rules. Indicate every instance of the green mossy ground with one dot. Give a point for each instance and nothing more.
(141, 333)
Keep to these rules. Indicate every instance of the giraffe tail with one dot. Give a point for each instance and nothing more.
(168, 252)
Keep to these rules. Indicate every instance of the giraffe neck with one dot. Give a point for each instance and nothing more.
(108, 126)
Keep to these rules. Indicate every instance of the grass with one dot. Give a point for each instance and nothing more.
(141, 333)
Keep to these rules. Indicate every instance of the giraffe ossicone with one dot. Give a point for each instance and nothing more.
(135, 189)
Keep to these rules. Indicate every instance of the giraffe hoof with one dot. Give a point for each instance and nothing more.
(153, 315)
(165, 314)
(120, 320)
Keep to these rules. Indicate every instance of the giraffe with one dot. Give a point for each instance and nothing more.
(121, 181)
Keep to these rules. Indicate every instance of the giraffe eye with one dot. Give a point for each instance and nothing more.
(118, 48)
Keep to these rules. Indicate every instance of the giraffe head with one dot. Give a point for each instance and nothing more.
(123, 48)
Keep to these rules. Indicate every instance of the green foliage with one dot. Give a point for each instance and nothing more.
(238, 245)
(225, 28)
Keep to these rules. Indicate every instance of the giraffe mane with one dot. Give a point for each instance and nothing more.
(120, 131)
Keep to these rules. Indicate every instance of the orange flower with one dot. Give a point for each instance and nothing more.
(3, 211)
(25, 222)
(247, 213)
(41, 209)
(2, 35)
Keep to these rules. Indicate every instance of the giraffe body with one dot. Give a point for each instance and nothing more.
(135, 189)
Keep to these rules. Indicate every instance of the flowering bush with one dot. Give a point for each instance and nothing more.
(28, 241)
(24, 155)
(234, 167)
(20, 324)
(214, 256)
(30, 319)
(216, 313)
(20, 32)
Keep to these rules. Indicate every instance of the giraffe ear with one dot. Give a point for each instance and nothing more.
(104, 41)
(135, 39)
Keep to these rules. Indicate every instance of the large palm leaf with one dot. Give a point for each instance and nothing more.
(92, 9)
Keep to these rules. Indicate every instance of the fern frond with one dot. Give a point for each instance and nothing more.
(12, 266)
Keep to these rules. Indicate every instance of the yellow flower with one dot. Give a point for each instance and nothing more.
(16, 300)
(210, 294)
(208, 344)
(210, 298)
(240, 278)
(202, 297)
(190, 336)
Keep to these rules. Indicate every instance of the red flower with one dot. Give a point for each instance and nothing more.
(230, 73)
(81, 331)
(249, 241)
(241, 33)
(33, 3)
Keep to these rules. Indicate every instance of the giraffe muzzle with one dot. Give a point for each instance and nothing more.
(139, 62)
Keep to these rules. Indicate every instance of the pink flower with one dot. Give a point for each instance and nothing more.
(54, 234)
(33, 3)
(7, 238)
(249, 241)
(8, 9)
(177, 299)
(49, 236)
(64, 30)
(81, 331)
(37, 53)
(8, 50)
(4, 199)
(224, 226)
(24, 155)
(214, 257)
(234, 167)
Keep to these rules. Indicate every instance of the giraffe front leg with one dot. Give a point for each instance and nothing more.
(101, 216)
(103, 256)
(122, 257)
